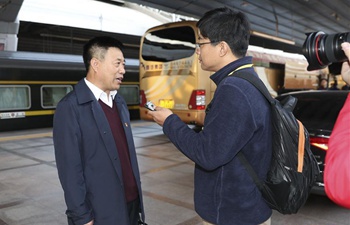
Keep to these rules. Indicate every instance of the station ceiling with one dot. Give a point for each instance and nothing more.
(9, 9)
(287, 19)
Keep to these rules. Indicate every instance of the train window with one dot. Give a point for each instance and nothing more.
(52, 94)
(130, 93)
(14, 97)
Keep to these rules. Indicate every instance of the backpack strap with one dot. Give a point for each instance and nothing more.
(301, 149)
(251, 171)
(256, 82)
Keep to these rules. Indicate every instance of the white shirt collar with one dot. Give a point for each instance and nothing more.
(99, 94)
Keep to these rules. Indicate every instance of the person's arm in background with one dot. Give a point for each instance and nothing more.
(337, 169)
(345, 70)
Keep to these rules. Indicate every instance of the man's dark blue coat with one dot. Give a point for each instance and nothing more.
(87, 159)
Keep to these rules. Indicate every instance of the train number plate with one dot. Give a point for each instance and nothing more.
(166, 103)
(12, 115)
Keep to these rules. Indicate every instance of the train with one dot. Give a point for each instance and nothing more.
(32, 83)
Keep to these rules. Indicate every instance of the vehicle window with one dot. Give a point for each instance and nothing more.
(14, 97)
(52, 94)
(169, 44)
(130, 93)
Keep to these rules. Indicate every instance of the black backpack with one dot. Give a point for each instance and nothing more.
(293, 169)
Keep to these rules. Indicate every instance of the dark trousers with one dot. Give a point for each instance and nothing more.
(134, 210)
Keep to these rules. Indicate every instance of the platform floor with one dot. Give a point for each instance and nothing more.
(30, 193)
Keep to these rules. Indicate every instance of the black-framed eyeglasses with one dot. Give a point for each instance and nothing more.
(198, 45)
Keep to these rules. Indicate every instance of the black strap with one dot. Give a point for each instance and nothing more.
(251, 171)
(254, 80)
(262, 88)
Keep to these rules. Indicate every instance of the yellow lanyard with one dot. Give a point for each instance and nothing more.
(241, 67)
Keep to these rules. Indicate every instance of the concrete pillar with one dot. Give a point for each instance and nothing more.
(8, 35)
(9, 24)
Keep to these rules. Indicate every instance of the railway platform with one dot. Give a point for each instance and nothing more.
(30, 192)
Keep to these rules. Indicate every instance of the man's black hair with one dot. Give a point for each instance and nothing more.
(224, 24)
(97, 47)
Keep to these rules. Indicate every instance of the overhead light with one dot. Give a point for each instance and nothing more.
(273, 37)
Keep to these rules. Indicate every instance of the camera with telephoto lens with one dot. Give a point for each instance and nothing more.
(321, 49)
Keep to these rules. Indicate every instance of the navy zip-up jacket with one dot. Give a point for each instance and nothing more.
(239, 120)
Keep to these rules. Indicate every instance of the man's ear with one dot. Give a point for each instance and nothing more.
(224, 48)
(94, 63)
